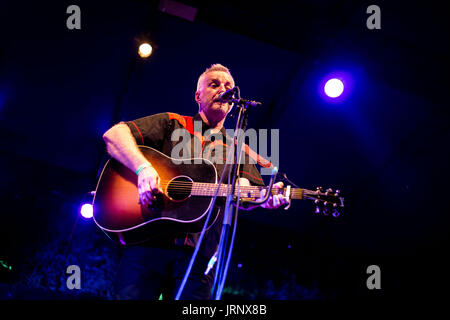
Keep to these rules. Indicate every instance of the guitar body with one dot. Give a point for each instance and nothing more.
(116, 203)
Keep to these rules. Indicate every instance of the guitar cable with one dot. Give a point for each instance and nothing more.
(224, 235)
(224, 271)
(221, 271)
(202, 234)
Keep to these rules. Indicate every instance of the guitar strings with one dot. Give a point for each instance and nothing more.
(205, 188)
(200, 185)
(191, 184)
(182, 187)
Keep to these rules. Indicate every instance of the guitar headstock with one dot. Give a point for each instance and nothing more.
(327, 201)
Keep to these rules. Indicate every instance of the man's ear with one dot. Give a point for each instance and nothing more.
(197, 96)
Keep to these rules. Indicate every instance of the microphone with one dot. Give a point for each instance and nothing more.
(228, 96)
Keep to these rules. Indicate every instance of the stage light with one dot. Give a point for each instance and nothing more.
(334, 88)
(87, 210)
(145, 43)
(145, 50)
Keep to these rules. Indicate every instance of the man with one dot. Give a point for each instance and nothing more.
(158, 266)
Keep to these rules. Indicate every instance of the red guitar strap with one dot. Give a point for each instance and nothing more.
(256, 157)
(188, 123)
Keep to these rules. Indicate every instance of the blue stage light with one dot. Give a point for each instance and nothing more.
(87, 210)
(334, 88)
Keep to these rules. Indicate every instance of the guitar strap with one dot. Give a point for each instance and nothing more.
(188, 123)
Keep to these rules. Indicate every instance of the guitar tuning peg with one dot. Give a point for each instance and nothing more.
(338, 192)
(330, 190)
(317, 211)
(326, 211)
(336, 213)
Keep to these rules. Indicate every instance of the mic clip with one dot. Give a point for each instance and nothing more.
(228, 96)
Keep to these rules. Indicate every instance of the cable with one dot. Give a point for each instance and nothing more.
(200, 239)
(227, 263)
(224, 233)
(222, 271)
(233, 235)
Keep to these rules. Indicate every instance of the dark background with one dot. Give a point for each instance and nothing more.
(385, 146)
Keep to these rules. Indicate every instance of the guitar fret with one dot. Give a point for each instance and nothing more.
(209, 189)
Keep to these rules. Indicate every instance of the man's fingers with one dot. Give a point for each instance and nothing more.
(278, 185)
(149, 184)
(156, 185)
(144, 199)
(141, 194)
(145, 196)
(276, 201)
(262, 194)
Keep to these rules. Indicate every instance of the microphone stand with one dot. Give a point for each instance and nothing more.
(223, 259)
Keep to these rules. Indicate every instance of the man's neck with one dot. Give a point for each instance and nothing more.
(216, 125)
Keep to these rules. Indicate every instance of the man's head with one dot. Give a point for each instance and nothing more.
(215, 80)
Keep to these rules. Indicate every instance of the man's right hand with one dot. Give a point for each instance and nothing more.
(149, 184)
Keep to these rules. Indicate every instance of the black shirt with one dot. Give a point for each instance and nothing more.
(158, 131)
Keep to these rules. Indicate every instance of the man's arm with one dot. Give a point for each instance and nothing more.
(121, 145)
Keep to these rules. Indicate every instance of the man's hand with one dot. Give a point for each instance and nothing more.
(149, 184)
(274, 201)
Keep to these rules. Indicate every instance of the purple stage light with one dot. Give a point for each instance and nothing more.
(87, 210)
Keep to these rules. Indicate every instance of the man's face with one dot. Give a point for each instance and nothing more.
(213, 84)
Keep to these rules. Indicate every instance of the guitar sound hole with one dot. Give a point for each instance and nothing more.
(179, 188)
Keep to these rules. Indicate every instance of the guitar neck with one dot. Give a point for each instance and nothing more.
(209, 189)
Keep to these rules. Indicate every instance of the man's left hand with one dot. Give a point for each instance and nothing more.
(274, 201)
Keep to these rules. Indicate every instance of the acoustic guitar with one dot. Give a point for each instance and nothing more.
(188, 190)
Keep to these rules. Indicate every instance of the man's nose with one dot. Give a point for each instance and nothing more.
(222, 89)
